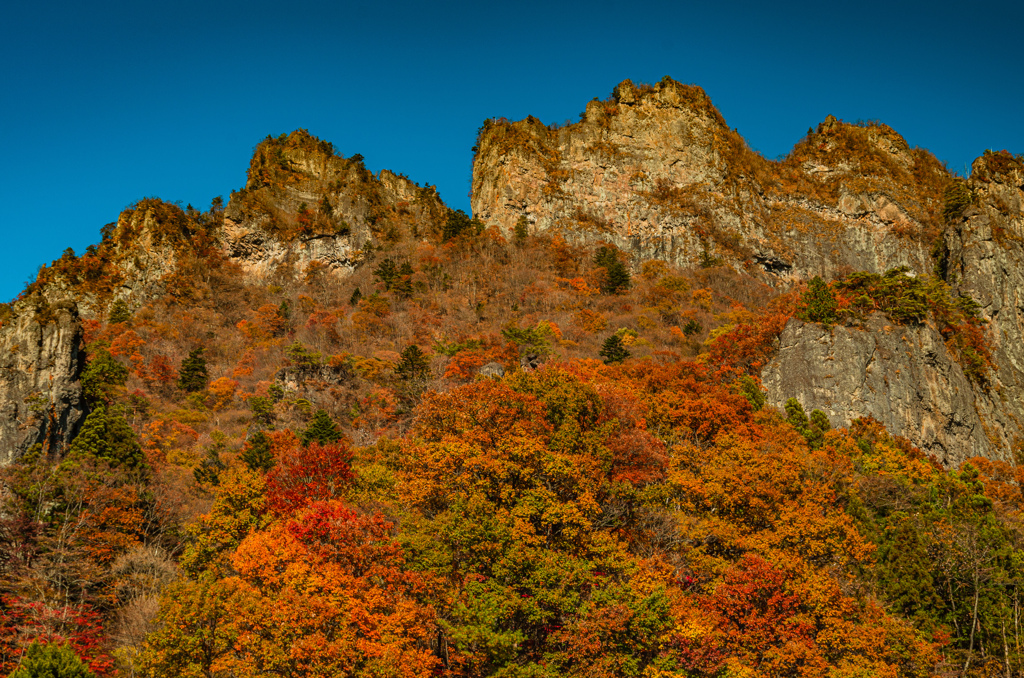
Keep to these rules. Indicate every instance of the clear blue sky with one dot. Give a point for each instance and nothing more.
(104, 103)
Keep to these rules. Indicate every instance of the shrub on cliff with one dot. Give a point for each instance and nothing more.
(818, 304)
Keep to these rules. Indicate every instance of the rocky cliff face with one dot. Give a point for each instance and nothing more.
(303, 204)
(658, 172)
(40, 394)
(984, 259)
(904, 376)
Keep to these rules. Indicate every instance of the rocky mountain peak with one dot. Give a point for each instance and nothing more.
(656, 170)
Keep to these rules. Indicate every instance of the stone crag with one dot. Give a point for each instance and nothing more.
(657, 171)
(904, 376)
(41, 360)
(302, 203)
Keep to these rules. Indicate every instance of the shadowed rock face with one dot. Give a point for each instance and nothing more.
(902, 376)
(658, 172)
(40, 393)
(984, 260)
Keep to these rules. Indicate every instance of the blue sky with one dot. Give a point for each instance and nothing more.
(105, 103)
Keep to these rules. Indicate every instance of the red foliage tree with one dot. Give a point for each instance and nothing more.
(315, 472)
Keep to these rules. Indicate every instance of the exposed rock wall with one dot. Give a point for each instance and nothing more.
(902, 376)
(40, 393)
(658, 172)
(302, 203)
(984, 260)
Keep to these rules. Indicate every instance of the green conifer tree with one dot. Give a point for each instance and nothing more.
(413, 365)
(754, 395)
(256, 455)
(102, 376)
(386, 273)
(119, 312)
(108, 436)
(192, 376)
(617, 276)
(813, 429)
(402, 286)
(321, 429)
(613, 350)
(51, 661)
(357, 295)
(521, 231)
(905, 573)
(818, 304)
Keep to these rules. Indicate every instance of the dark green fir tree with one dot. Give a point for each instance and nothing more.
(613, 350)
(321, 429)
(818, 304)
(107, 436)
(616, 278)
(256, 454)
(413, 365)
(192, 376)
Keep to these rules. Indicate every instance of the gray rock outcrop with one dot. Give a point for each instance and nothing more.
(903, 376)
(41, 361)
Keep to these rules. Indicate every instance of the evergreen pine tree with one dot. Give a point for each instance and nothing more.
(386, 273)
(754, 395)
(321, 430)
(522, 230)
(613, 350)
(108, 437)
(119, 312)
(403, 283)
(193, 377)
(355, 298)
(905, 573)
(813, 429)
(414, 364)
(257, 455)
(51, 661)
(818, 304)
(208, 471)
(102, 375)
(617, 276)
(796, 416)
